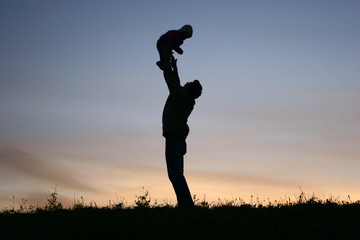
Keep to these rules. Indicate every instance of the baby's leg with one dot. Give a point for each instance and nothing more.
(166, 54)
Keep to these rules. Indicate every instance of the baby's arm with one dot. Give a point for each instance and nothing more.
(178, 50)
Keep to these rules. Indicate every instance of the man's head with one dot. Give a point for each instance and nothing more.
(194, 88)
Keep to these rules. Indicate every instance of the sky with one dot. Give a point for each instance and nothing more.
(81, 99)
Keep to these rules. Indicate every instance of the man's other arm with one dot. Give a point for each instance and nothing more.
(171, 74)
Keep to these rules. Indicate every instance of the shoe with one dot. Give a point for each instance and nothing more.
(160, 65)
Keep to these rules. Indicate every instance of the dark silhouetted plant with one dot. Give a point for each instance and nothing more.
(143, 200)
(53, 203)
(79, 204)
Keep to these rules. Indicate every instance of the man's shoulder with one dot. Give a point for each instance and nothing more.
(177, 89)
(182, 93)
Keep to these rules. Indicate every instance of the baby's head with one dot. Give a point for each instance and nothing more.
(186, 30)
(194, 88)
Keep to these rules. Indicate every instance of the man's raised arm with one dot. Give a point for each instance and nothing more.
(171, 74)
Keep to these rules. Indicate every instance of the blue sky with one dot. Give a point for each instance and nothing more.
(81, 98)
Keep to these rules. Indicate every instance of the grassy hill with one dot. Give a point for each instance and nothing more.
(304, 219)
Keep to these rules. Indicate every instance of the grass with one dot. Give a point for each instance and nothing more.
(303, 218)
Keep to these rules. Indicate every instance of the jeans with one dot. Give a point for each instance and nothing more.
(175, 149)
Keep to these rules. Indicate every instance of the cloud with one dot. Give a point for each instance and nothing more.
(242, 179)
(30, 166)
(34, 198)
(140, 173)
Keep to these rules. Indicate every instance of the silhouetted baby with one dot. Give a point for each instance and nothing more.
(172, 41)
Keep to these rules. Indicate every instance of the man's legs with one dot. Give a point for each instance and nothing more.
(175, 150)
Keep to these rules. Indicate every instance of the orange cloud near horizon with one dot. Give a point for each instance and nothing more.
(119, 182)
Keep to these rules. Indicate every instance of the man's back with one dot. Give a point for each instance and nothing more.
(177, 109)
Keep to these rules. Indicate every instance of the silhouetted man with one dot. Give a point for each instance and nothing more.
(177, 109)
